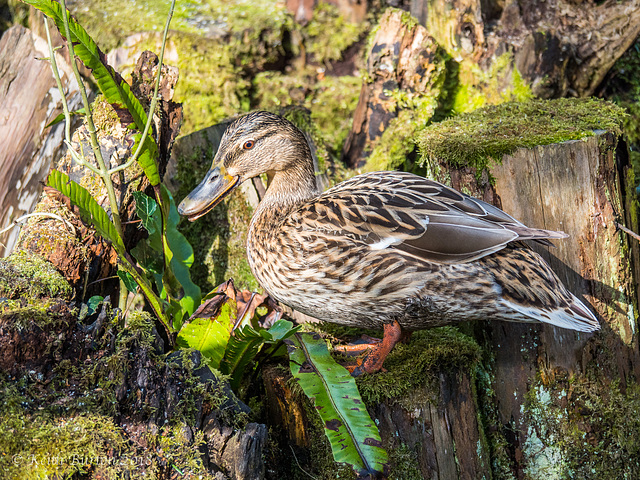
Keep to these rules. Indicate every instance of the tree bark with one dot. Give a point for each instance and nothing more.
(578, 187)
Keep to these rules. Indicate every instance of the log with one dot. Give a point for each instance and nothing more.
(560, 47)
(401, 60)
(29, 148)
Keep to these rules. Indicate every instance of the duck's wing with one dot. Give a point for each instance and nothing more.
(423, 218)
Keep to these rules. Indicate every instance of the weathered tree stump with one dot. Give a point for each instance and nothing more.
(579, 187)
(28, 147)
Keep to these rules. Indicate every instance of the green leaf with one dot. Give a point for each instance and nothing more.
(116, 91)
(242, 348)
(354, 437)
(167, 254)
(60, 117)
(93, 303)
(209, 335)
(178, 254)
(145, 209)
(88, 208)
(128, 281)
(245, 344)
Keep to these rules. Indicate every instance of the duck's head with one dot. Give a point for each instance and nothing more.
(257, 143)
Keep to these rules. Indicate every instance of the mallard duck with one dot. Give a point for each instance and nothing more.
(385, 250)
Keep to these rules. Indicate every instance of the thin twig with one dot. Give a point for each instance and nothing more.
(626, 230)
(56, 74)
(25, 217)
(154, 99)
(300, 466)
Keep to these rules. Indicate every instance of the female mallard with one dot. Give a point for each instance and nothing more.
(383, 249)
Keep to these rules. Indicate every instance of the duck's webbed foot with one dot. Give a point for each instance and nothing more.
(377, 350)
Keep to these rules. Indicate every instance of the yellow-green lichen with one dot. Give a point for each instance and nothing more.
(581, 428)
(473, 139)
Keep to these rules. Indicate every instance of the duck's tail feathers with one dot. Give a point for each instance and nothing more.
(573, 316)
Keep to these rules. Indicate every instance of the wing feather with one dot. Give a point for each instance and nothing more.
(414, 215)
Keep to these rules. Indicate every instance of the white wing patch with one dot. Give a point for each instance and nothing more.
(384, 243)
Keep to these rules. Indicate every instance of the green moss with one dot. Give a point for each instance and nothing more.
(211, 86)
(60, 423)
(331, 100)
(25, 274)
(109, 23)
(40, 446)
(415, 110)
(395, 148)
(418, 363)
(405, 463)
(328, 34)
(476, 138)
(501, 82)
(218, 44)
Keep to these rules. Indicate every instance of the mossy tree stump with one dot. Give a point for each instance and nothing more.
(535, 401)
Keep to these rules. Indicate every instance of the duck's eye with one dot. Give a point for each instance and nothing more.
(248, 145)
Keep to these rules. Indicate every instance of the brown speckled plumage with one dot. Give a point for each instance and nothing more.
(384, 246)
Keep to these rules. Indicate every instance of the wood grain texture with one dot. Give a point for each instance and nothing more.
(577, 187)
(29, 99)
(560, 47)
(400, 59)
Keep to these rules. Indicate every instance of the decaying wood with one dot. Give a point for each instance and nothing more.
(578, 187)
(354, 11)
(28, 147)
(400, 58)
(81, 255)
(560, 47)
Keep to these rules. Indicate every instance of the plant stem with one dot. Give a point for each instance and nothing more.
(95, 146)
(154, 99)
(154, 301)
(56, 75)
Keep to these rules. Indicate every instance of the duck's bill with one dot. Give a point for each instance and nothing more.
(215, 186)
